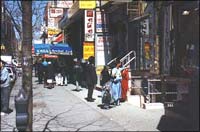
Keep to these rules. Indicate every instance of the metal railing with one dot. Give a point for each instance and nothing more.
(127, 59)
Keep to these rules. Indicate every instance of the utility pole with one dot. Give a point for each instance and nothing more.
(27, 57)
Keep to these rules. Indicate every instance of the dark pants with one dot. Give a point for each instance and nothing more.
(40, 77)
(90, 91)
(5, 97)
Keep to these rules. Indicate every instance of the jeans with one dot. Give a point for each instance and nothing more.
(5, 97)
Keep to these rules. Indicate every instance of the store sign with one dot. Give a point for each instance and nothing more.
(101, 25)
(51, 22)
(89, 25)
(55, 12)
(53, 31)
(64, 4)
(87, 4)
(88, 50)
(102, 49)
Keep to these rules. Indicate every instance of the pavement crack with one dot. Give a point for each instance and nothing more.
(46, 125)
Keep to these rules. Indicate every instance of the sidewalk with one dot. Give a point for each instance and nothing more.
(63, 109)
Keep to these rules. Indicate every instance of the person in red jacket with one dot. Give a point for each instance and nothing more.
(125, 79)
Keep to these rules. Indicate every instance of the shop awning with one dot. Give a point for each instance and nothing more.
(61, 49)
(41, 48)
(53, 49)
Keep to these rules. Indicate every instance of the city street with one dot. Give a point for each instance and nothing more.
(62, 109)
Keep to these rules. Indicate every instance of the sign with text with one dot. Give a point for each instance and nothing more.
(87, 4)
(55, 12)
(53, 31)
(64, 4)
(88, 50)
(101, 25)
(102, 49)
(89, 25)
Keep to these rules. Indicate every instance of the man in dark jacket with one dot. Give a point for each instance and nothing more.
(91, 78)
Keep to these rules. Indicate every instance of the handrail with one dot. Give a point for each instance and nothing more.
(124, 58)
(111, 61)
(126, 55)
(129, 61)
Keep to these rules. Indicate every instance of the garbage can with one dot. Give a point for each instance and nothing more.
(21, 105)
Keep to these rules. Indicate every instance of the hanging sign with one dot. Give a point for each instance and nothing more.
(101, 25)
(89, 25)
(102, 49)
(56, 12)
(64, 4)
(87, 4)
(88, 50)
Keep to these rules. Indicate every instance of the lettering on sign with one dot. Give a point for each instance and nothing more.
(89, 25)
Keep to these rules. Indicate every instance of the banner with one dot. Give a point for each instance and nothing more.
(89, 25)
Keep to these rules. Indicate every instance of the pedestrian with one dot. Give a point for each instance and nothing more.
(116, 82)
(91, 78)
(40, 71)
(36, 68)
(77, 69)
(125, 79)
(105, 76)
(5, 89)
(83, 80)
(45, 70)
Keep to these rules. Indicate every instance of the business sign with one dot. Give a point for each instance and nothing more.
(88, 50)
(89, 25)
(60, 49)
(55, 12)
(101, 25)
(87, 4)
(41, 48)
(102, 49)
(51, 22)
(64, 4)
(52, 31)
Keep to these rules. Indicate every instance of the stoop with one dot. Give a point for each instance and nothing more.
(136, 100)
(153, 106)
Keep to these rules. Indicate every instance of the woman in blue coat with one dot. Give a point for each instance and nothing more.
(116, 82)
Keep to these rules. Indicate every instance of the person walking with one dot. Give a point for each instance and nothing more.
(45, 70)
(77, 69)
(125, 79)
(116, 82)
(105, 76)
(91, 78)
(5, 89)
(40, 72)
